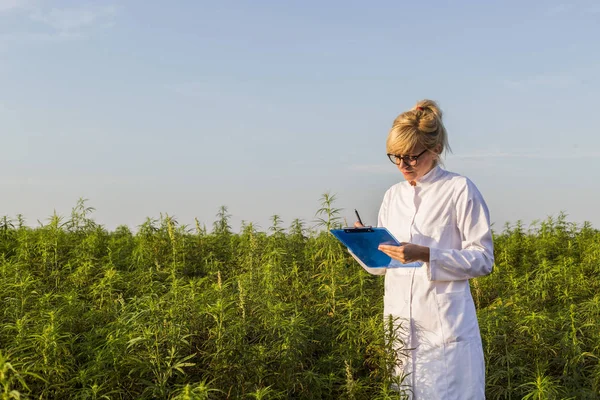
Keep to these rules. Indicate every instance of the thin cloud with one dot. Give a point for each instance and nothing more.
(30, 37)
(559, 9)
(78, 180)
(74, 19)
(10, 5)
(384, 168)
(56, 24)
(542, 155)
(190, 89)
(570, 8)
(373, 168)
(551, 81)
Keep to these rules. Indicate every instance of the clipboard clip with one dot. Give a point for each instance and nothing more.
(358, 230)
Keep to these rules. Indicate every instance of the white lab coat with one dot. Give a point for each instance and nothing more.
(446, 213)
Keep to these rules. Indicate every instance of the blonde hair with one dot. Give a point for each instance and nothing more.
(421, 125)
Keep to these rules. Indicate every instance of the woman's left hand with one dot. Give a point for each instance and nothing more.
(407, 252)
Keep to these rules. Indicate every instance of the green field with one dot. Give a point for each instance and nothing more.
(178, 311)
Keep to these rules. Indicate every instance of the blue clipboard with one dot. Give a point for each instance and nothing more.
(363, 243)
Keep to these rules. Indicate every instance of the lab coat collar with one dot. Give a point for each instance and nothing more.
(435, 174)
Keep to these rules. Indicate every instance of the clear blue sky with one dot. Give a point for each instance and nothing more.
(180, 107)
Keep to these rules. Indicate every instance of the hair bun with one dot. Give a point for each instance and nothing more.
(429, 105)
(428, 116)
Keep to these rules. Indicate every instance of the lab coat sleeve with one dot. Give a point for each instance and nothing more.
(476, 255)
(380, 221)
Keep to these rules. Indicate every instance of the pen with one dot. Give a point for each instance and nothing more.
(358, 216)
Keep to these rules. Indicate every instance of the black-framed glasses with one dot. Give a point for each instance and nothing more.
(408, 160)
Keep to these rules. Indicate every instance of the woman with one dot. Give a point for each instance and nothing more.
(442, 221)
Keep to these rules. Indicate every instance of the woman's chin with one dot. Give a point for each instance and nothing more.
(409, 176)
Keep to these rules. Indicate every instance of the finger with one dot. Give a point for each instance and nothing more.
(391, 249)
(389, 253)
(358, 225)
(397, 257)
(394, 254)
(388, 247)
